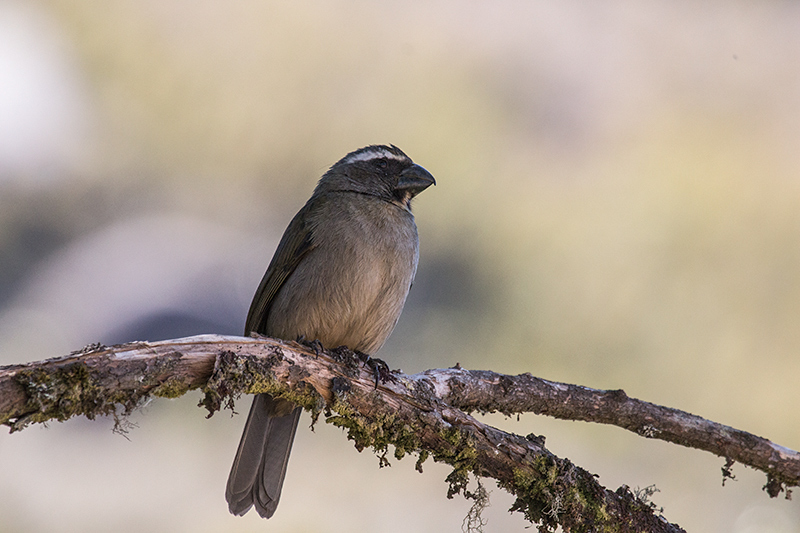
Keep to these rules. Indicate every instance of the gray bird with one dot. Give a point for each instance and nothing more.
(340, 276)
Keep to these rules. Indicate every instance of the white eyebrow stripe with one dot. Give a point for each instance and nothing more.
(374, 154)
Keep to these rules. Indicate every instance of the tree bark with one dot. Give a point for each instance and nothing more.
(425, 414)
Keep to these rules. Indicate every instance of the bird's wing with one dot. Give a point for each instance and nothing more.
(296, 243)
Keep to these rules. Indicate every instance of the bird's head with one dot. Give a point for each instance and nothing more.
(377, 170)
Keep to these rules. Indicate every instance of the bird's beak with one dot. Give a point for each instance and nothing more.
(415, 179)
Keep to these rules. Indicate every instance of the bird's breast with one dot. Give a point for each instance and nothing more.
(351, 288)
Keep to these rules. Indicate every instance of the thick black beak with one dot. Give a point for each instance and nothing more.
(415, 179)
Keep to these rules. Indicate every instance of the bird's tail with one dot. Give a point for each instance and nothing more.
(258, 470)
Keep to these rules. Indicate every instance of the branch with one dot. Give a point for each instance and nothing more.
(488, 392)
(416, 414)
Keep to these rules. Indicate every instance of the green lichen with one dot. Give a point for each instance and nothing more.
(555, 492)
(457, 448)
(461, 455)
(65, 391)
(423, 456)
(171, 388)
(377, 433)
(235, 375)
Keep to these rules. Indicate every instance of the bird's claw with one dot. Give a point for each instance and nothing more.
(315, 345)
(380, 370)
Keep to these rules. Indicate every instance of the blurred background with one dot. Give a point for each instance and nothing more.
(618, 205)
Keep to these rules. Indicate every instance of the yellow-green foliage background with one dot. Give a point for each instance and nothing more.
(618, 205)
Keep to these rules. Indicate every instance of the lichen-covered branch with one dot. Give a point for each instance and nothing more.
(476, 390)
(422, 414)
(105, 380)
(406, 413)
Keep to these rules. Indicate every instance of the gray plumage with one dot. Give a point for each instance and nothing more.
(340, 275)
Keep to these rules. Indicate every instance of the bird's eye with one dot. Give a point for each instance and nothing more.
(383, 163)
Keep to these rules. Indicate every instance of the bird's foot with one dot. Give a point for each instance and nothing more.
(380, 370)
(314, 345)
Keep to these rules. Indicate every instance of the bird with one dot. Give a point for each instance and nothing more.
(339, 277)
